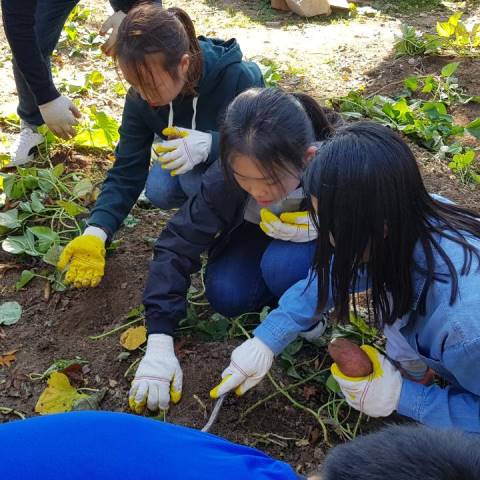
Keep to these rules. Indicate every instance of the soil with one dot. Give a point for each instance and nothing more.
(324, 57)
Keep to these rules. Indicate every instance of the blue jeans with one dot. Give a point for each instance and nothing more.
(167, 192)
(50, 16)
(255, 270)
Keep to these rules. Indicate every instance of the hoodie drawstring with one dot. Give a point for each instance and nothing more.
(194, 117)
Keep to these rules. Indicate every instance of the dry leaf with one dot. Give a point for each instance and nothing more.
(132, 338)
(7, 358)
(59, 396)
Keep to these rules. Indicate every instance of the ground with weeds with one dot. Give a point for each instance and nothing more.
(289, 416)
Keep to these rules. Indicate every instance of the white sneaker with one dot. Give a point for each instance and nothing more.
(23, 149)
(316, 332)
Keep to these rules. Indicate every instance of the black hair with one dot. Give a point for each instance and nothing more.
(371, 198)
(148, 28)
(274, 128)
(404, 453)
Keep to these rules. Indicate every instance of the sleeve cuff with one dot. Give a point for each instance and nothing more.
(412, 398)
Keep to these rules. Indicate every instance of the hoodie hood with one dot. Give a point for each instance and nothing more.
(218, 55)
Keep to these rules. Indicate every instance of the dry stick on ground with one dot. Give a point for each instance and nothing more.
(8, 411)
(117, 329)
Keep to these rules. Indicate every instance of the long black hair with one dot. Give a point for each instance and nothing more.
(274, 128)
(371, 198)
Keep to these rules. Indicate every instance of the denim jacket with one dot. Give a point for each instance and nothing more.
(446, 337)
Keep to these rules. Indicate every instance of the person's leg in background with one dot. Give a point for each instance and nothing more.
(233, 281)
(50, 17)
(284, 264)
(167, 192)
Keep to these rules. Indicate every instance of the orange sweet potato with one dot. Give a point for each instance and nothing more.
(350, 358)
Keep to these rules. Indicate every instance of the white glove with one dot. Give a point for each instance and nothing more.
(111, 23)
(290, 227)
(59, 115)
(249, 363)
(185, 151)
(376, 395)
(158, 378)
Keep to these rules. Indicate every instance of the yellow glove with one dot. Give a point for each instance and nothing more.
(171, 133)
(85, 257)
(290, 227)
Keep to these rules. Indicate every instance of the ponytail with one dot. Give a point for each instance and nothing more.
(323, 119)
(148, 29)
(195, 52)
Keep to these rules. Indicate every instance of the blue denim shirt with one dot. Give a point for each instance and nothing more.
(446, 338)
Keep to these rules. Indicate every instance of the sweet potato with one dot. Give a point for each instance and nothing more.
(350, 358)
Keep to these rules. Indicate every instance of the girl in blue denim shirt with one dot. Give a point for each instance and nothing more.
(419, 257)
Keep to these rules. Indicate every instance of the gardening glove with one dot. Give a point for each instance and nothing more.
(85, 256)
(158, 378)
(111, 23)
(59, 115)
(184, 150)
(291, 226)
(377, 394)
(249, 363)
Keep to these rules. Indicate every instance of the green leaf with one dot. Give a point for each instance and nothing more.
(58, 170)
(21, 244)
(449, 69)
(445, 29)
(83, 188)
(293, 348)
(473, 128)
(46, 237)
(94, 79)
(36, 203)
(25, 277)
(72, 208)
(455, 18)
(52, 255)
(333, 385)
(130, 221)
(10, 313)
(9, 219)
(428, 85)
(411, 83)
(402, 108)
(119, 89)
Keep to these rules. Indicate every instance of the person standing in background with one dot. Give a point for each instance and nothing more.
(32, 28)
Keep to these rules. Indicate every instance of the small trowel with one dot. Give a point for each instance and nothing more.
(214, 414)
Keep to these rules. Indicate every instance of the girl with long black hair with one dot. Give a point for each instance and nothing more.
(418, 256)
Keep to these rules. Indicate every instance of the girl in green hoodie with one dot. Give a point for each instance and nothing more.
(181, 85)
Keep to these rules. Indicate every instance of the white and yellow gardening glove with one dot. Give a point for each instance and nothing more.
(158, 378)
(291, 226)
(184, 150)
(60, 115)
(377, 394)
(111, 23)
(249, 363)
(84, 258)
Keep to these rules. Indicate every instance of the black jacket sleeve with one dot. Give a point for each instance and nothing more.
(192, 231)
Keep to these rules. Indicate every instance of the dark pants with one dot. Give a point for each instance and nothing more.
(254, 270)
(50, 16)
